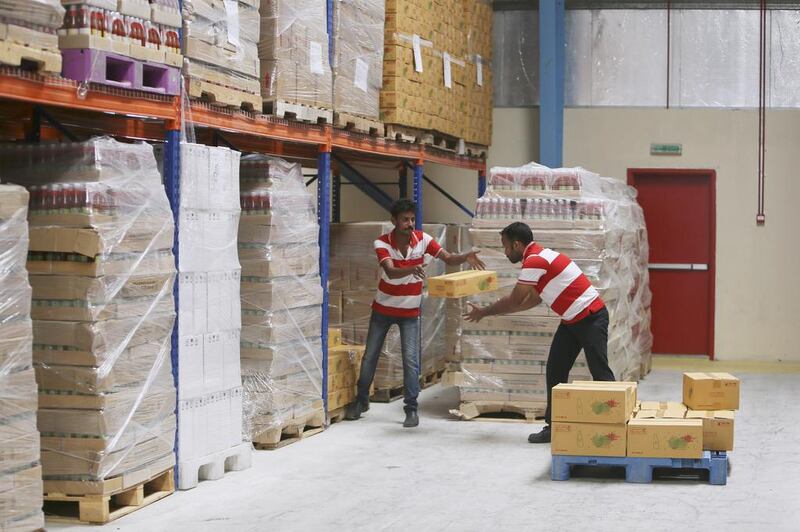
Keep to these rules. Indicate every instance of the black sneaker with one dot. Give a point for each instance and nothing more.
(354, 411)
(540, 437)
(412, 419)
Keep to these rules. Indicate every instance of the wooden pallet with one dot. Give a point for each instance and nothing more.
(499, 411)
(360, 124)
(298, 112)
(475, 150)
(71, 508)
(426, 381)
(387, 395)
(292, 431)
(402, 133)
(337, 415)
(221, 95)
(29, 57)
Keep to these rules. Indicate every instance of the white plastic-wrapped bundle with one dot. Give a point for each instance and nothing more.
(294, 52)
(221, 44)
(102, 272)
(28, 30)
(281, 349)
(45, 14)
(20, 469)
(355, 273)
(358, 56)
(594, 221)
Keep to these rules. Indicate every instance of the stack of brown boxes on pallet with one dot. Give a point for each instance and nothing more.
(344, 365)
(297, 78)
(20, 470)
(436, 73)
(354, 277)
(281, 303)
(358, 64)
(221, 44)
(102, 273)
(28, 33)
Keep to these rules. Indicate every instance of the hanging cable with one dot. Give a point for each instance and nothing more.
(762, 112)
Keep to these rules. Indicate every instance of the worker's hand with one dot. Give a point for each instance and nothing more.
(474, 261)
(475, 313)
(419, 272)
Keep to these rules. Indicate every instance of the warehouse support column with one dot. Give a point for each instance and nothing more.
(551, 82)
(324, 219)
(481, 183)
(418, 191)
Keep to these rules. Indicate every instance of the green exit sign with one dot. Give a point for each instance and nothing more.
(666, 149)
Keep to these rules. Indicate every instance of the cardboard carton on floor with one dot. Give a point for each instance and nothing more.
(594, 402)
(665, 438)
(462, 284)
(717, 428)
(661, 410)
(589, 439)
(711, 391)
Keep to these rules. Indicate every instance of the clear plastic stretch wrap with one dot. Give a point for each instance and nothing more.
(20, 469)
(221, 44)
(294, 52)
(281, 349)
(358, 56)
(44, 15)
(354, 276)
(31, 25)
(597, 223)
(102, 272)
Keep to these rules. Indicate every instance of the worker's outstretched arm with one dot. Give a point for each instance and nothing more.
(522, 297)
(457, 259)
(396, 273)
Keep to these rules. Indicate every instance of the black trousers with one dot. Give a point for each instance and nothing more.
(589, 334)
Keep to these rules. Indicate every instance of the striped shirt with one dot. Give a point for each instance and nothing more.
(402, 297)
(560, 283)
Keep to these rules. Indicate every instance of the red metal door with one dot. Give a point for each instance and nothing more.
(679, 209)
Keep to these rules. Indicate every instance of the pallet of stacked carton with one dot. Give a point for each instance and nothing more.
(355, 274)
(28, 34)
(281, 292)
(221, 47)
(358, 65)
(209, 317)
(20, 468)
(436, 87)
(295, 67)
(344, 364)
(102, 272)
(130, 44)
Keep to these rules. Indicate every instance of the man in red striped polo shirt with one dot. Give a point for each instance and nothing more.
(401, 255)
(554, 278)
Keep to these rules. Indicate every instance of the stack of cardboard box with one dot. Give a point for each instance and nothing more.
(20, 469)
(28, 32)
(102, 272)
(344, 364)
(295, 65)
(354, 277)
(221, 44)
(281, 299)
(713, 398)
(358, 57)
(209, 317)
(436, 67)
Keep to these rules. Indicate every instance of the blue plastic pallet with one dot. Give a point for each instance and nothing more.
(640, 470)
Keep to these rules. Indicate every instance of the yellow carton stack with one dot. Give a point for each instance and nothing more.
(590, 419)
(478, 76)
(344, 363)
(712, 398)
(462, 284)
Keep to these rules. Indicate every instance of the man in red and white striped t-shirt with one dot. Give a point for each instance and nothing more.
(401, 255)
(552, 277)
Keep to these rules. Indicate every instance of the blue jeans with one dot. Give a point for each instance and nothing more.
(379, 325)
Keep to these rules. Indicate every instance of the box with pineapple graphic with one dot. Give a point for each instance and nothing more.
(589, 439)
(665, 438)
(594, 402)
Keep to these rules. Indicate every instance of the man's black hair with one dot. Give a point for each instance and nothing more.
(519, 232)
(403, 205)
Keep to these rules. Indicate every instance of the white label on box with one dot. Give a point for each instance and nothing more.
(232, 19)
(362, 73)
(480, 71)
(417, 52)
(315, 57)
(448, 74)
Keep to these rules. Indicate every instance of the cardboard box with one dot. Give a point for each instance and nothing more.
(462, 284)
(334, 337)
(660, 410)
(589, 439)
(711, 391)
(717, 428)
(665, 438)
(594, 402)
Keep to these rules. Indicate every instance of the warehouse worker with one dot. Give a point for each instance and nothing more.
(551, 276)
(401, 255)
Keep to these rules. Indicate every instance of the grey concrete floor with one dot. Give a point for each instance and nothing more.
(449, 475)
